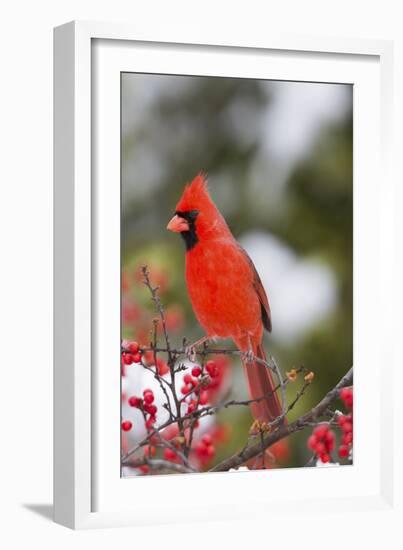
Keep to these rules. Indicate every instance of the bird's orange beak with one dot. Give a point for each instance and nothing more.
(178, 224)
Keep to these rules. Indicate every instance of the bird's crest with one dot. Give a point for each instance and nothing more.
(196, 195)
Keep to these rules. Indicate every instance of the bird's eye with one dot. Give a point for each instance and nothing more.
(189, 215)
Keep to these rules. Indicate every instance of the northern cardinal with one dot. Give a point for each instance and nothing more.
(225, 290)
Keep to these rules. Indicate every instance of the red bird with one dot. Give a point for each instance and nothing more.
(225, 289)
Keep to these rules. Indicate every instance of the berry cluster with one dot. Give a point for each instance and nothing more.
(132, 353)
(146, 405)
(170, 455)
(212, 368)
(322, 442)
(345, 421)
(197, 383)
(205, 449)
(149, 360)
(189, 384)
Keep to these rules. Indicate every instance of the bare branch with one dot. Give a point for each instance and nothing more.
(157, 302)
(285, 430)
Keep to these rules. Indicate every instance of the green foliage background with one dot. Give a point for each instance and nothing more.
(191, 128)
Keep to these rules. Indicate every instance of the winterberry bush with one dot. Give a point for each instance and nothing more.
(172, 400)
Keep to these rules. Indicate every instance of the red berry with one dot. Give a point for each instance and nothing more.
(321, 430)
(188, 379)
(148, 397)
(325, 457)
(207, 439)
(329, 437)
(203, 399)
(210, 451)
(151, 409)
(147, 390)
(191, 407)
(312, 442)
(162, 367)
(347, 428)
(136, 358)
(330, 446)
(133, 347)
(150, 422)
(342, 419)
(186, 389)
(212, 369)
(343, 393)
(320, 448)
(196, 371)
(346, 394)
(127, 426)
(343, 451)
(169, 454)
(135, 402)
(127, 358)
(347, 438)
(200, 449)
(329, 440)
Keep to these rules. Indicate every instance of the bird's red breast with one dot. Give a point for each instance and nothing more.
(225, 290)
(220, 284)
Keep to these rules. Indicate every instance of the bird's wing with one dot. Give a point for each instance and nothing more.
(260, 291)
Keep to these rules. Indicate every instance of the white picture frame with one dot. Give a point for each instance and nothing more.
(87, 491)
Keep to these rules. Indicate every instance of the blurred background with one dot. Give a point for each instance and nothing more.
(279, 161)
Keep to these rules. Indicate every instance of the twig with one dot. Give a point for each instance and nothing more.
(282, 386)
(157, 302)
(160, 379)
(285, 430)
(311, 462)
(171, 356)
(180, 454)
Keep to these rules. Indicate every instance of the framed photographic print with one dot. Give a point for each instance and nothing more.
(221, 269)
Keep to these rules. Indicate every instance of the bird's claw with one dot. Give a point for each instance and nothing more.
(190, 352)
(249, 356)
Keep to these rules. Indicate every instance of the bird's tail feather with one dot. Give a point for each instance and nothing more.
(261, 383)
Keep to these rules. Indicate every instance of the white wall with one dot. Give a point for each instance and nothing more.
(26, 243)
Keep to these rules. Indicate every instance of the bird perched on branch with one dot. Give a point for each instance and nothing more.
(225, 290)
